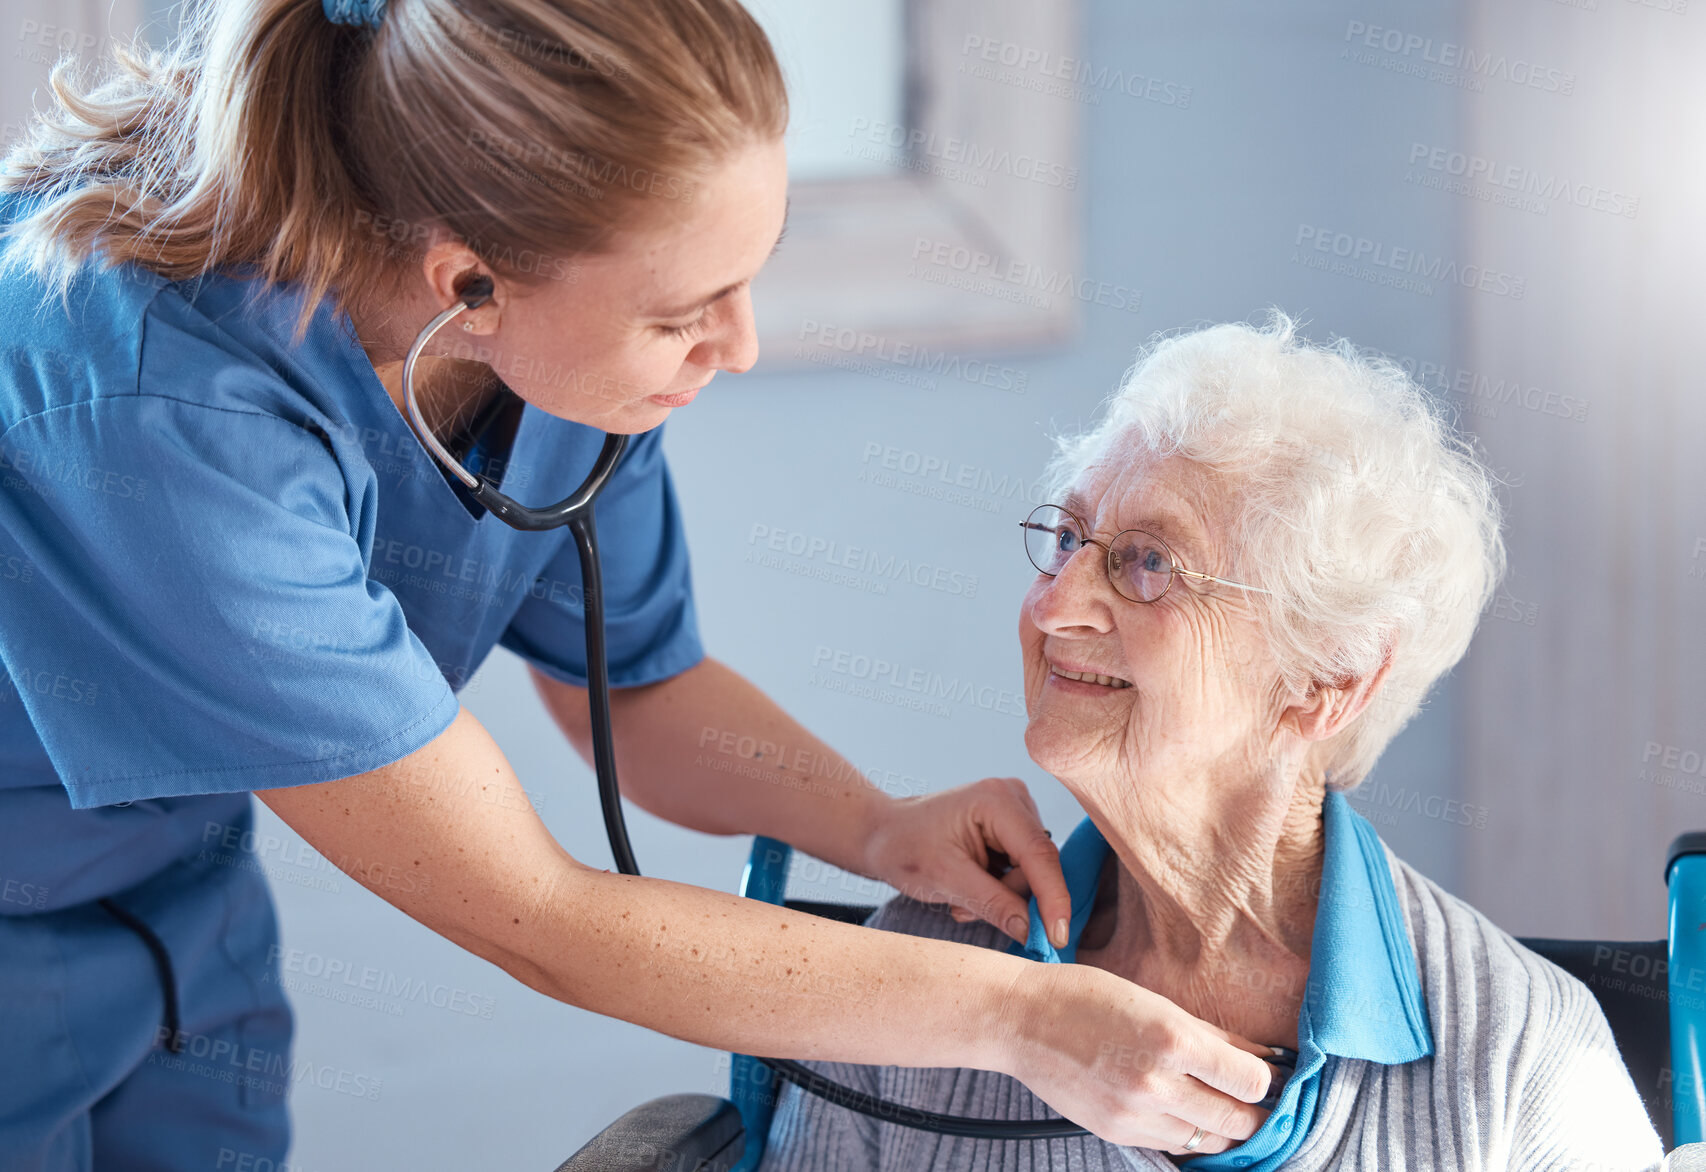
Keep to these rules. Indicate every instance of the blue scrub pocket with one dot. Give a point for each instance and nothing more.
(264, 1021)
(90, 1080)
(44, 1089)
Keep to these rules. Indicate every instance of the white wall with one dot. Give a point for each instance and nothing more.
(1584, 731)
(844, 60)
(39, 33)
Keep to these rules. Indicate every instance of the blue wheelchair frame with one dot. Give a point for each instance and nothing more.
(706, 1134)
(753, 1086)
(1685, 874)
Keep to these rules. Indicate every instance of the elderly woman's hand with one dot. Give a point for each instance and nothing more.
(944, 847)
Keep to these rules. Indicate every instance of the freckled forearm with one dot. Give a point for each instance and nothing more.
(736, 974)
(447, 837)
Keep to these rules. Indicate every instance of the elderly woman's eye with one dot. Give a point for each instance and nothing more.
(1140, 557)
(1051, 538)
(1141, 568)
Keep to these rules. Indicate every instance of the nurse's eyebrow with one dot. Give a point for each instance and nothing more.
(687, 310)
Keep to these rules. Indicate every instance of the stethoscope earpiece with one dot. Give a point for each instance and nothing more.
(476, 292)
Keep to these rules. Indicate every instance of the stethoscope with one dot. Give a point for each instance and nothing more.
(575, 511)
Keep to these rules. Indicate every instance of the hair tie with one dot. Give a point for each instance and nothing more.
(360, 13)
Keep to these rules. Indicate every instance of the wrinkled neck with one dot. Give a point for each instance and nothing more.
(1214, 908)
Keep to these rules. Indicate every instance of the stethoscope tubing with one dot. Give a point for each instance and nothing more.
(585, 534)
(422, 432)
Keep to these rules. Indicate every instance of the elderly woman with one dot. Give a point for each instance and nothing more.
(1259, 563)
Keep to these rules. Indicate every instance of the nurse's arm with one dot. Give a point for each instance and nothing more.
(709, 750)
(737, 974)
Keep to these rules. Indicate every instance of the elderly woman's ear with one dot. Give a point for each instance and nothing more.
(1327, 708)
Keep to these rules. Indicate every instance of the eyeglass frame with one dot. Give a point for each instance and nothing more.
(1174, 570)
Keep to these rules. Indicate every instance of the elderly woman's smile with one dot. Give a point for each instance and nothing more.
(1084, 675)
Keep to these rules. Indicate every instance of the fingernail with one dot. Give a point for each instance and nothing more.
(1060, 934)
(1019, 928)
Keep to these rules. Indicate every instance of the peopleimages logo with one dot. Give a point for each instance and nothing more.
(942, 261)
(1511, 177)
(44, 44)
(1448, 55)
(923, 682)
(878, 564)
(1484, 394)
(862, 344)
(1412, 262)
(915, 142)
(909, 462)
(336, 978)
(1091, 80)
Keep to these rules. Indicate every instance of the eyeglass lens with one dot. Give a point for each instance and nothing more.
(1138, 564)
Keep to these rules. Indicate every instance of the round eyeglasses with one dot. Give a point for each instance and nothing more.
(1139, 564)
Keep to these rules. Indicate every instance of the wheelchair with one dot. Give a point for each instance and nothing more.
(1653, 993)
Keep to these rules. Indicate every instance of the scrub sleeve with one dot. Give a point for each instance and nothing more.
(225, 614)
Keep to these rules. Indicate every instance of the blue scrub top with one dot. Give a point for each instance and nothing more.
(226, 564)
(1363, 996)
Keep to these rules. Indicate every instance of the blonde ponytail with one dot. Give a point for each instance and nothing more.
(326, 154)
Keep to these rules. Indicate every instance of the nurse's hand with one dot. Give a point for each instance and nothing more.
(1131, 1065)
(949, 847)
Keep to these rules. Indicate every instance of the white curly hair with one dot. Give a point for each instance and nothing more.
(1356, 504)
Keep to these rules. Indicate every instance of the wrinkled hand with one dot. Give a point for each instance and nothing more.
(951, 847)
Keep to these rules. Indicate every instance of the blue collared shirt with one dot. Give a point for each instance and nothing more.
(1363, 998)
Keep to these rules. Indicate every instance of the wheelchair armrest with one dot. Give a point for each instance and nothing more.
(677, 1133)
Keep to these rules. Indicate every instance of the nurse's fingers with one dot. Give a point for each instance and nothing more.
(1232, 1065)
(986, 899)
(1225, 1120)
(1014, 880)
(1017, 832)
(1244, 1044)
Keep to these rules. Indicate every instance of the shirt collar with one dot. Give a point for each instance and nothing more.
(1363, 998)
